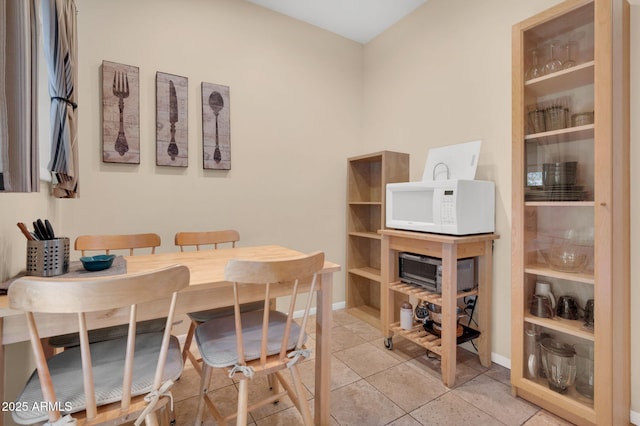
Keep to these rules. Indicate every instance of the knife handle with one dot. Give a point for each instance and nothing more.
(25, 231)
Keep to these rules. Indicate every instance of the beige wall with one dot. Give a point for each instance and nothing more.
(296, 107)
(443, 76)
(302, 100)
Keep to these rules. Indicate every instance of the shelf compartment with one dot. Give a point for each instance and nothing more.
(363, 295)
(364, 217)
(419, 335)
(367, 314)
(468, 333)
(365, 179)
(571, 401)
(561, 325)
(423, 294)
(364, 251)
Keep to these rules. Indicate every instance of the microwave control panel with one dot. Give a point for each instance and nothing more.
(448, 207)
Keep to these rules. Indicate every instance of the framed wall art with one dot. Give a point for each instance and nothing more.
(171, 120)
(216, 127)
(120, 113)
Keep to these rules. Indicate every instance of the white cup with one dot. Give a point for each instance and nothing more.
(406, 316)
(544, 289)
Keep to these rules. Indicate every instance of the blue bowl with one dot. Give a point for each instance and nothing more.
(97, 263)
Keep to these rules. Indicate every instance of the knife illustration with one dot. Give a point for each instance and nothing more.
(173, 119)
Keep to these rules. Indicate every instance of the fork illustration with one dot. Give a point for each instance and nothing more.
(121, 91)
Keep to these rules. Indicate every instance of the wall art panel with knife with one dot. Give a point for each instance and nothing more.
(216, 127)
(171, 120)
(120, 113)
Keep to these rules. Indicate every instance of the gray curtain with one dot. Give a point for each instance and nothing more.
(19, 96)
(60, 45)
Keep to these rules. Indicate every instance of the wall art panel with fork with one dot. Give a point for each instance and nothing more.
(172, 137)
(120, 113)
(216, 127)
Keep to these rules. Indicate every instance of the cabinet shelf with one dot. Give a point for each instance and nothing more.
(419, 335)
(369, 273)
(365, 234)
(571, 78)
(364, 203)
(568, 134)
(571, 327)
(422, 294)
(572, 401)
(545, 271)
(559, 203)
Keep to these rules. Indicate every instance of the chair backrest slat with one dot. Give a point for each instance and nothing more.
(128, 364)
(48, 392)
(87, 368)
(198, 239)
(83, 295)
(107, 243)
(287, 330)
(162, 358)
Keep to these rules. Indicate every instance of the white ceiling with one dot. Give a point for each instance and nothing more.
(358, 20)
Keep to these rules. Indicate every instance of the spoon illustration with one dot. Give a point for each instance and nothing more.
(216, 103)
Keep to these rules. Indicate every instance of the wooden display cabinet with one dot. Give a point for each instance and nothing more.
(367, 177)
(584, 218)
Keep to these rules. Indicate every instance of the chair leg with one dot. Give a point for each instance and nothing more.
(151, 419)
(204, 384)
(243, 402)
(302, 401)
(274, 384)
(187, 341)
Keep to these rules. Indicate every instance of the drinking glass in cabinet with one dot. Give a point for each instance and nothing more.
(553, 64)
(535, 70)
(570, 55)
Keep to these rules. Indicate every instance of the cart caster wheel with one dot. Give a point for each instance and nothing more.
(388, 343)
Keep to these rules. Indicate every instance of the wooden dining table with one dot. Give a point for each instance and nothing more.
(207, 289)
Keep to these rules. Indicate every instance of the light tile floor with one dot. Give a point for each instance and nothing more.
(371, 385)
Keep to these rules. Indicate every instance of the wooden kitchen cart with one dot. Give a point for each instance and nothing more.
(587, 220)
(449, 249)
(367, 178)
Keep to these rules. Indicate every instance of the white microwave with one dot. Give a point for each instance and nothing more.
(456, 206)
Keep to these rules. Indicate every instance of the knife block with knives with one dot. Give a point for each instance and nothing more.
(47, 255)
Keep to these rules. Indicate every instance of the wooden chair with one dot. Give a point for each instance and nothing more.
(198, 240)
(104, 382)
(106, 244)
(251, 344)
(207, 238)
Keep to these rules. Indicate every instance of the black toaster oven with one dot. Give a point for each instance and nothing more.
(426, 272)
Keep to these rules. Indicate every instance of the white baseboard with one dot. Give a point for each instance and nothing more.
(501, 360)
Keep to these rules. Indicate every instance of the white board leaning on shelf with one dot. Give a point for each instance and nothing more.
(458, 161)
(448, 199)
